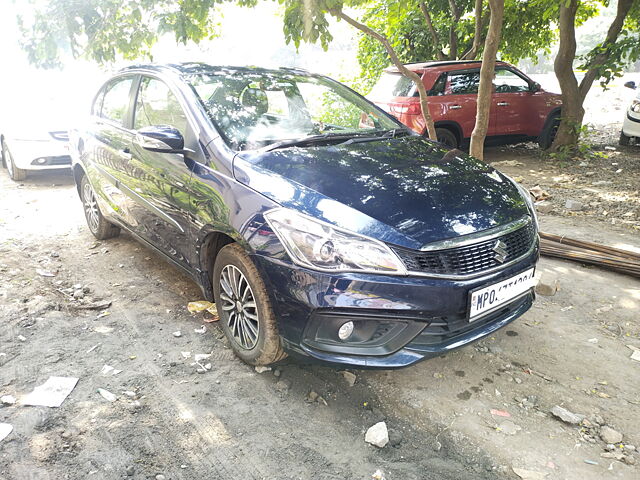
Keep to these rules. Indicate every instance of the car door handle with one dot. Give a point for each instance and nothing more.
(502, 104)
(126, 153)
(455, 107)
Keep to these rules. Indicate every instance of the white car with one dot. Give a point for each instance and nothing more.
(631, 124)
(36, 147)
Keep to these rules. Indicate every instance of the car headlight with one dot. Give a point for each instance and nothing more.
(321, 246)
(635, 106)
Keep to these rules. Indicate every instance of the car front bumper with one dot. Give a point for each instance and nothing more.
(631, 124)
(39, 154)
(408, 318)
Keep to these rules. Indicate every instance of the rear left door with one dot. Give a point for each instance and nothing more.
(108, 148)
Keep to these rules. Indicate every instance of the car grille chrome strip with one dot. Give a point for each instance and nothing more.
(472, 257)
(475, 237)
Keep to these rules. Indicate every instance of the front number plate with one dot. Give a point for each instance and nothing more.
(489, 298)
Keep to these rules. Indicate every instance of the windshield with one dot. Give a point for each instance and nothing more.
(255, 109)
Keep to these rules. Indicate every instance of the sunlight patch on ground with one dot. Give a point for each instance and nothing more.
(633, 292)
(209, 427)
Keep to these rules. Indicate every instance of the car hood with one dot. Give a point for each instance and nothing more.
(407, 191)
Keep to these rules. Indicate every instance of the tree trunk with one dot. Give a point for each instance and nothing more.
(485, 89)
(424, 105)
(574, 94)
(572, 111)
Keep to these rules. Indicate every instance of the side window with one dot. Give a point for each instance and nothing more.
(438, 86)
(157, 105)
(462, 83)
(506, 81)
(116, 100)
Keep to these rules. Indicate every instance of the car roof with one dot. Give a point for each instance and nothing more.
(442, 65)
(193, 68)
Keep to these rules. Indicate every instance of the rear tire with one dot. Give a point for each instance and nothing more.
(98, 225)
(245, 311)
(447, 137)
(16, 174)
(624, 139)
(548, 134)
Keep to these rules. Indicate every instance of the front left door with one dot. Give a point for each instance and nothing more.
(512, 103)
(162, 184)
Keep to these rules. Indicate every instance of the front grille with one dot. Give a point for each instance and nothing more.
(61, 160)
(469, 259)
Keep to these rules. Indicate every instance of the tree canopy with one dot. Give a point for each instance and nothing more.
(526, 31)
(103, 30)
(409, 30)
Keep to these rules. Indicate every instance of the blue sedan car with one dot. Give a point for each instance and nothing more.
(319, 225)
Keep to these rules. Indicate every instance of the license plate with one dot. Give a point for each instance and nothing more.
(487, 299)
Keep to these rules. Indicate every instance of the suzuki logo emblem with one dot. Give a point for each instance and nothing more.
(501, 251)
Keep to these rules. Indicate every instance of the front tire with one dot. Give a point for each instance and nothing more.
(548, 134)
(624, 139)
(98, 225)
(16, 174)
(245, 311)
(3, 163)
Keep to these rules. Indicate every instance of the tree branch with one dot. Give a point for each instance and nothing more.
(453, 37)
(477, 35)
(399, 65)
(612, 35)
(432, 30)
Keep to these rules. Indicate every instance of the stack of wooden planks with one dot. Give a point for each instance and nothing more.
(611, 258)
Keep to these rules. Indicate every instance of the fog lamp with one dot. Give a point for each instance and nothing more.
(41, 161)
(345, 330)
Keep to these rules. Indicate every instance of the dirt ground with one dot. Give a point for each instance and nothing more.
(231, 422)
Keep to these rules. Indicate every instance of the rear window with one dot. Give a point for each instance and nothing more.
(393, 85)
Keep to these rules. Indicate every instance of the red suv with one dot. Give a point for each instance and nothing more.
(520, 109)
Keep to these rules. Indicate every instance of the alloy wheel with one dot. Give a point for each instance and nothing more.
(91, 207)
(239, 304)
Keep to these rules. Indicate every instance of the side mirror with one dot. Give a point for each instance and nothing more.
(535, 87)
(160, 139)
(631, 84)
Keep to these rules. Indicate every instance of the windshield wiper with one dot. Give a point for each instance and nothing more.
(311, 139)
(392, 133)
(351, 137)
(396, 132)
